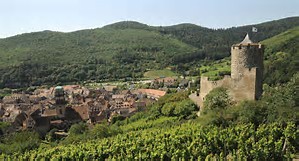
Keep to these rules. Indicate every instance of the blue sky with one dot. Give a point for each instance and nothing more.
(20, 16)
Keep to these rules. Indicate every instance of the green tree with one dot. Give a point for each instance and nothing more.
(218, 98)
(77, 129)
(184, 108)
(19, 142)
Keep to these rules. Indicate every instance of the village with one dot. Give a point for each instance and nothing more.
(60, 107)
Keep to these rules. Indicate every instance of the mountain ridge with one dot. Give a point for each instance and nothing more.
(121, 50)
(157, 26)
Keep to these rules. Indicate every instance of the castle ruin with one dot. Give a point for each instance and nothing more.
(245, 82)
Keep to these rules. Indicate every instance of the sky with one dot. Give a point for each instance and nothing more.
(23, 16)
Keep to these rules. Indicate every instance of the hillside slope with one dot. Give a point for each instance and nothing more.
(55, 47)
(35, 58)
(281, 56)
(121, 50)
(217, 42)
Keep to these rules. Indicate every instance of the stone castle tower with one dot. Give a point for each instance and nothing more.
(245, 82)
(248, 55)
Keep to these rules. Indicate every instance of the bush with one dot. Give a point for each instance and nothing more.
(251, 112)
(168, 109)
(77, 129)
(19, 142)
(218, 98)
(184, 108)
(103, 130)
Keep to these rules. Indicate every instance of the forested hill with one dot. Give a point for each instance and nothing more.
(120, 50)
(217, 43)
(281, 56)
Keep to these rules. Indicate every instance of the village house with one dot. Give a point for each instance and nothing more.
(164, 82)
(59, 107)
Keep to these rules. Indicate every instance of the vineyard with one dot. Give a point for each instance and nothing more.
(188, 141)
(266, 129)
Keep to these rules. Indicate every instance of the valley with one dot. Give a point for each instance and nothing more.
(127, 90)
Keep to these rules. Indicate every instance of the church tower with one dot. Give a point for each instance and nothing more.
(246, 56)
(59, 96)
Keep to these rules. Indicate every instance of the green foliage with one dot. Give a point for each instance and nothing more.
(159, 73)
(109, 54)
(51, 137)
(244, 131)
(3, 127)
(103, 131)
(79, 128)
(148, 123)
(77, 133)
(168, 109)
(5, 92)
(251, 112)
(280, 101)
(174, 104)
(251, 130)
(125, 50)
(215, 70)
(19, 142)
(281, 57)
(278, 104)
(186, 142)
(117, 118)
(218, 98)
(216, 43)
(182, 108)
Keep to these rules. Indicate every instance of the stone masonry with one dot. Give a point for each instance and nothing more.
(245, 82)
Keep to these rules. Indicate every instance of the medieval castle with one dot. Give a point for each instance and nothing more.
(245, 82)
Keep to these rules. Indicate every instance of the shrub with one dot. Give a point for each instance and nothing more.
(77, 129)
(168, 109)
(218, 98)
(184, 108)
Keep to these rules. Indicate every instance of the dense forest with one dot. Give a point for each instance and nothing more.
(124, 50)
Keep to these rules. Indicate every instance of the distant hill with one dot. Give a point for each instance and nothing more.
(217, 43)
(128, 25)
(99, 54)
(124, 50)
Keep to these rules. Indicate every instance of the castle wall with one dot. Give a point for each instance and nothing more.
(245, 57)
(206, 86)
(243, 88)
(245, 82)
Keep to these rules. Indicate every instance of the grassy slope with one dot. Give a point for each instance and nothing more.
(281, 56)
(212, 70)
(159, 73)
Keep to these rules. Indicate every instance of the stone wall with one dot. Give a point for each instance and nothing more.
(206, 86)
(243, 88)
(245, 57)
(245, 82)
